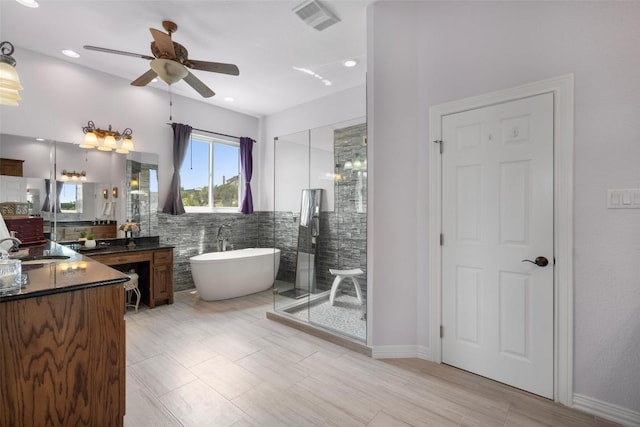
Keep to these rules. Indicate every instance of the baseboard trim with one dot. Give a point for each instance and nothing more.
(609, 411)
(401, 352)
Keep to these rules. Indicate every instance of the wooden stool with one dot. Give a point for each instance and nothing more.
(340, 276)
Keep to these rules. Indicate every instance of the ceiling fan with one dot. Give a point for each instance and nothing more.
(170, 62)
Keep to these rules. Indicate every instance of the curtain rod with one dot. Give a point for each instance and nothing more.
(215, 133)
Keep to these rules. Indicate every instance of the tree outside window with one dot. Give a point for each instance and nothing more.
(71, 198)
(210, 175)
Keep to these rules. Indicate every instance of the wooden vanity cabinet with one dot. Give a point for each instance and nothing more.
(163, 276)
(155, 268)
(28, 230)
(72, 233)
(62, 359)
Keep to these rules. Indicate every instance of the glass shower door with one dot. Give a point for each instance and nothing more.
(291, 176)
(319, 224)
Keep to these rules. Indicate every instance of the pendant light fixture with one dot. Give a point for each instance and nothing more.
(9, 79)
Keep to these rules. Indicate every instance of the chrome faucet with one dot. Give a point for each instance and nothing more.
(16, 243)
(222, 240)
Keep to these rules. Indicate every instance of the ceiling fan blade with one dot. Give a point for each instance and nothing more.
(200, 87)
(163, 42)
(216, 67)
(144, 79)
(118, 52)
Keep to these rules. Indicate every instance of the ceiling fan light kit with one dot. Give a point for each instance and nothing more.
(9, 79)
(169, 71)
(170, 62)
(107, 140)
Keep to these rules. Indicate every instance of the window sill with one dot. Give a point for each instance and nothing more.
(198, 209)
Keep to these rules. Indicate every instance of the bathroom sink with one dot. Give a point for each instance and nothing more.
(42, 259)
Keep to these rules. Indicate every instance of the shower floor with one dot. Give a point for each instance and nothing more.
(345, 317)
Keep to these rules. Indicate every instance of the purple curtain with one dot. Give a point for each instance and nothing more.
(181, 134)
(246, 160)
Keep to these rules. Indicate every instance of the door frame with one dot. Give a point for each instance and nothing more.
(563, 98)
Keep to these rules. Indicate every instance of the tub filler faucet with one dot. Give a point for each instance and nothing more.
(222, 240)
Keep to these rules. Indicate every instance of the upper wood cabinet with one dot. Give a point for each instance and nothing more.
(11, 167)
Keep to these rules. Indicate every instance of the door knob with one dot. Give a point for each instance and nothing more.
(540, 261)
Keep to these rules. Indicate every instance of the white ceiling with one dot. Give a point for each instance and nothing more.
(264, 38)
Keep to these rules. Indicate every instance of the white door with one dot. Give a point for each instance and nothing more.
(497, 210)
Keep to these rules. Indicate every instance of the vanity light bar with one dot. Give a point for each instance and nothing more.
(106, 140)
(74, 176)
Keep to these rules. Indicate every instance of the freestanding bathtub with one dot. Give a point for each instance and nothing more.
(231, 274)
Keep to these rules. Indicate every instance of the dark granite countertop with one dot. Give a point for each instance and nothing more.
(62, 275)
(121, 248)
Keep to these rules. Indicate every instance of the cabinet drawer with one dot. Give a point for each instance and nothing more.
(163, 257)
(104, 231)
(123, 258)
(28, 230)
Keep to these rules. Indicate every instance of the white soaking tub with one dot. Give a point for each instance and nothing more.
(231, 274)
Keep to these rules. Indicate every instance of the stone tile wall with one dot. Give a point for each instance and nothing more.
(196, 233)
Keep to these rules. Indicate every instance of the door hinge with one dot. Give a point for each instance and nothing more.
(439, 141)
(441, 331)
(441, 239)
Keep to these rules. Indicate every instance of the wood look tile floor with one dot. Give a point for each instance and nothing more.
(197, 363)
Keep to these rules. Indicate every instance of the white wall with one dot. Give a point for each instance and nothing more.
(425, 53)
(59, 98)
(332, 109)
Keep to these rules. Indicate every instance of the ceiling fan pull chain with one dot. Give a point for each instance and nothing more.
(170, 104)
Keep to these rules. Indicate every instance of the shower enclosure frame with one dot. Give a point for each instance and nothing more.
(333, 158)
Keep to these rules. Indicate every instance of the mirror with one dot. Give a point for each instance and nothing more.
(308, 234)
(81, 202)
(142, 191)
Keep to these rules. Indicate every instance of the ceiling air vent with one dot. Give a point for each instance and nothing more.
(315, 15)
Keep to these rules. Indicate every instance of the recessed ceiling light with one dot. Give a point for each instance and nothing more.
(229, 99)
(350, 63)
(28, 3)
(154, 80)
(40, 139)
(70, 53)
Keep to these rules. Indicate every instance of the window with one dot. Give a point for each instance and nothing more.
(210, 175)
(71, 198)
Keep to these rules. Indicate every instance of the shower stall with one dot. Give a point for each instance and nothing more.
(320, 226)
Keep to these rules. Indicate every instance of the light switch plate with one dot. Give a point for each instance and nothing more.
(626, 198)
